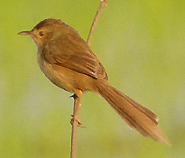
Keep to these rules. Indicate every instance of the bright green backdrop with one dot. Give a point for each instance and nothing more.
(141, 44)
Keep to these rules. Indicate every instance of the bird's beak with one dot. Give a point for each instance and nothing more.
(25, 33)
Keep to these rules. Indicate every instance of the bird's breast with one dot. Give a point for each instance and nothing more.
(57, 78)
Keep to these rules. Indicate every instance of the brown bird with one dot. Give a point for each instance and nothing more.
(68, 62)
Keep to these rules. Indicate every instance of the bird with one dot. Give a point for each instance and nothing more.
(69, 63)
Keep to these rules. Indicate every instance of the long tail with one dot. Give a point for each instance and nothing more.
(137, 116)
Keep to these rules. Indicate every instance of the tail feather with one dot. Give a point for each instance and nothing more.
(137, 116)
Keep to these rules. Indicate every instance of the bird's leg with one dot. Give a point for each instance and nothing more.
(77, 98)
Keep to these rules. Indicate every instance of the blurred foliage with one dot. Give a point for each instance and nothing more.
(142, 46)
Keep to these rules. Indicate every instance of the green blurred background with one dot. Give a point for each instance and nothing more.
(142, 46)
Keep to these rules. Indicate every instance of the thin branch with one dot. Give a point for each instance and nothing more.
(103, 4)
(75, 123)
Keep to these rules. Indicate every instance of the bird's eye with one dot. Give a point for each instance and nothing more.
(41, 33)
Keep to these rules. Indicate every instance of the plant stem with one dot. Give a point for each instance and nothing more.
(75, 121)
(103, 4)
(75, 125)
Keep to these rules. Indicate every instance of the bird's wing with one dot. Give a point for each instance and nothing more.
(72, 52)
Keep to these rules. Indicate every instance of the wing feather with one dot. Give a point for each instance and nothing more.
(72, 52)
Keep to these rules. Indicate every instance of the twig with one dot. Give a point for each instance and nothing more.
(103, 4)
(75, 121)
(75, 125)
